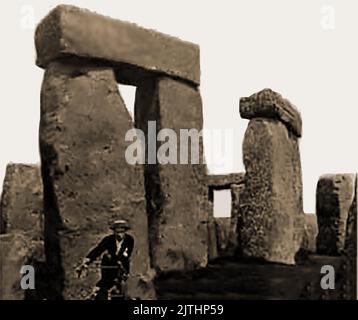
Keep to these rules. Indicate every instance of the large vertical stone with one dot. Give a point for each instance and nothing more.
(346, 276)
(271, 218)
(21, 201)
(177, 193)
(333, 200)
(350, 248)
(87, 181)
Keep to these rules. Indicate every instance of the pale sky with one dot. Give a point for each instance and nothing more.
(304, 49)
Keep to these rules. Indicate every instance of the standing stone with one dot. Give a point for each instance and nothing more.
(87, 181)
(346, 276)
(16, 250)
(177, 193)
(310, 233)
(212, 238)
(333, 200)
(271, 218)
(223, 228)
(236, 191)
(350, 248)
(22, 202)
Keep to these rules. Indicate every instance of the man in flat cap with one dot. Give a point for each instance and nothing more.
(116, 250)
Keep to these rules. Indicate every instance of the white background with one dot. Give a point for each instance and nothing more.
(246, 46)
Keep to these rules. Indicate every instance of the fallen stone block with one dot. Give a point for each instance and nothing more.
(270, 104)
(134, 52)
(176, 193)
(16, 250)
(333, 199)
(87, 180)
(271, 208)
(22, 201)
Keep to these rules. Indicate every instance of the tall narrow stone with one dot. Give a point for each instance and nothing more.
(333, 200)
(271, 218)
(177, 193)
(310, 233)
(350, 247)
(21, 206)
(87, 181)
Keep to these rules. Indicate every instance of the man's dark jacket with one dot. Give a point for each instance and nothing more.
(111, 258)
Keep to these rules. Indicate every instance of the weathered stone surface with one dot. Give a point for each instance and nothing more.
(212, 239)
(21, 201)
(133, 51)
(87, 181)
(225, 228)
(270, 104)
(310, 233)
(176, 193)
(17, 249)
(350, 244)
(333, 199)
(350, 249)
(271, 217)
(236, 191)
(223, 232)
(346, 276)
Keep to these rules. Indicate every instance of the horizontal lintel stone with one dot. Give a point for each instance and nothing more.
(270, 104)
(223, 181)
(134, 52)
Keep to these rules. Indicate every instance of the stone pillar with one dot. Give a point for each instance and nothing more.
(87, 181)
(333, 200)
(351, 228)
(350, 247)
(236, 190)
(310, 233)
(176, 193)
(21, 206)
(271, 219)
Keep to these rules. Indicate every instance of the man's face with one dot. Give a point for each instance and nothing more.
(119, 233)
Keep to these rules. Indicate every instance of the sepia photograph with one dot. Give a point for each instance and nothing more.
(186, 151)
